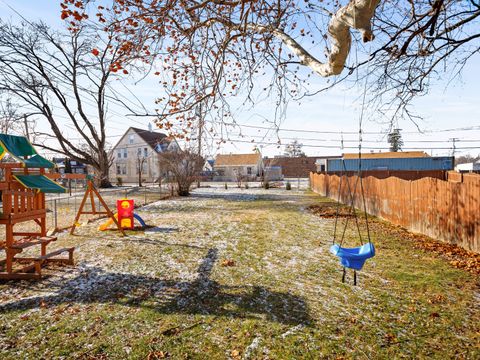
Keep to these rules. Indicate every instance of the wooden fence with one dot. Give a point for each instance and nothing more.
(446, 210)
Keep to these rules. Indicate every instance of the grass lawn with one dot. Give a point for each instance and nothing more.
(239, 274)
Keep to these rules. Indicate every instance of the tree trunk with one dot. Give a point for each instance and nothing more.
(183, 188)
(103, 169)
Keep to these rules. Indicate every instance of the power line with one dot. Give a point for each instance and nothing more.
(339, 132)
(350, 140)
(336, 146)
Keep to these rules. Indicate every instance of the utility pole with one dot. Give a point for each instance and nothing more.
(454, 148)
(198, 112)
(25, 122)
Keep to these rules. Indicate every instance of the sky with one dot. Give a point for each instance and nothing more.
(319, 120)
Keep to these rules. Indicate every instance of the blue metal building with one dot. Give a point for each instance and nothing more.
(408, 163)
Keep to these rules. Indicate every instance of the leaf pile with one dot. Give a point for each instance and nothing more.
(329, 210)
(457, 256)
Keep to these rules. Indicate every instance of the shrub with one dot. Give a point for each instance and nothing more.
(226, 186)
(119, 181)
(266, 185)
(184, 165)
(288, 186)
(246, 185)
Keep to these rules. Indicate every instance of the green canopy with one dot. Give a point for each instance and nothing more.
(37, 161)
(19, 147)
(40, 183)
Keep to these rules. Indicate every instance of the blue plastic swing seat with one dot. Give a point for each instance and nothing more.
(353, 258)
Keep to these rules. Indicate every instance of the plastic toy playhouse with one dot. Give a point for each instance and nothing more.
(23, 187)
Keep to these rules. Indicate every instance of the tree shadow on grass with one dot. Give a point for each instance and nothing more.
(201, 296)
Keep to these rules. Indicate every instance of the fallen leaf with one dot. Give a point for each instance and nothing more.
(228, 262)
(153, 355)
(235, 354)
(390, 338)
(434, 315)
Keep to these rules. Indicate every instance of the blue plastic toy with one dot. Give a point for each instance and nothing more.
(353, 258)
(140, 220)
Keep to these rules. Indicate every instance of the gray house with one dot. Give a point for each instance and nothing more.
(138, 151)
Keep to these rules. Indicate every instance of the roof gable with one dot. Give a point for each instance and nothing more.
(152, 138)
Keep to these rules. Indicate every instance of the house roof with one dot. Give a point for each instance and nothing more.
(152, 138)
(388, 155)
(237, 159)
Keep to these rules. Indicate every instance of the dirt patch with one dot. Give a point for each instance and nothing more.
(329, 210)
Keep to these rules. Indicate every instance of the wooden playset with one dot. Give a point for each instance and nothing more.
(90, 193)
(23, 189)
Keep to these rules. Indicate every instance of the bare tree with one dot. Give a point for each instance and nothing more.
(184, 166)
(239, 177)
(9, 118)
(141, 161)
(467, 159)
(209, 50)
(13, 122)
(65, 78)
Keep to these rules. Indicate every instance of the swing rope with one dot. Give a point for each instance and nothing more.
(353, 258)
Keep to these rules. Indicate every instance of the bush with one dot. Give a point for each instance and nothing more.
(184, 167)
(226, 186)
(246, 185)
(266, 185)
(119, 181)
(288, 186)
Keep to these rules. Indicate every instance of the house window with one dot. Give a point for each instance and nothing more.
(145, 152)
(139, 152)
(119, 171)
(119, 153)
(144, 167)
(249, 171)
(124, 153)
(131, 138)
(124, 170)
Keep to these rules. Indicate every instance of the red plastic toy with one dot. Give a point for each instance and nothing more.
(125, 212)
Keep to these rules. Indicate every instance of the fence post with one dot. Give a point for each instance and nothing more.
(145, 195)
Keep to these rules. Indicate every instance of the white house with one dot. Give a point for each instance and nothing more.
(231, 167)
(473, 166)
(138, 150)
